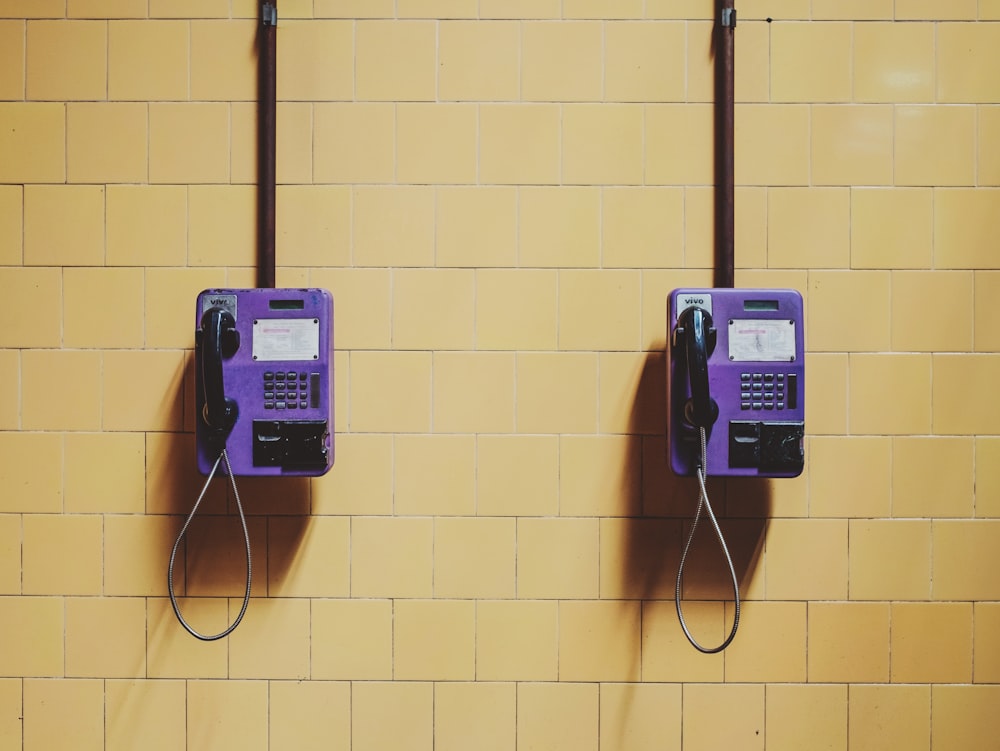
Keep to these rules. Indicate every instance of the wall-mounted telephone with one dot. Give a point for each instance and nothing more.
(264, 396)
(737, 369)
(735, 396)
(263, 364)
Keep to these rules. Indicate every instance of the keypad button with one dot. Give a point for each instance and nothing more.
(280, 405)
(279, 376)
(268, 375)
(292, 405)
(758, 405)
(268, 405)
(269, 395)
(744, 376)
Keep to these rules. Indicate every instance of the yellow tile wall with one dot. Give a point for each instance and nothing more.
(500, 194)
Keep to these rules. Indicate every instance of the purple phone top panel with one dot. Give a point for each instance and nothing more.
(756, 375)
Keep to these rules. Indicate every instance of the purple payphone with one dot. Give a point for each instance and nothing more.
(736, 369)
(263, 364)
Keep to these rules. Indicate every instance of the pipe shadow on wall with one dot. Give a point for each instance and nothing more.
(657, 517)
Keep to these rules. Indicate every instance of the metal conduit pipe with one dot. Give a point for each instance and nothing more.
(266, 134)
(725, 221)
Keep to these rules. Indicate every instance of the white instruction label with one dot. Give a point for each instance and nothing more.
(762, 340)
(285, 339)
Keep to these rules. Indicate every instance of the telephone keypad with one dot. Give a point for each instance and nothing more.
(762, 391)
(291, 390)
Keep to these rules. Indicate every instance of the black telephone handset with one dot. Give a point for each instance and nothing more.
(695, 327)
(218, 339)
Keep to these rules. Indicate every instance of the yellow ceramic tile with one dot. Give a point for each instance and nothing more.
(965, 55)
(986, 649)
(223, 60)
(213, 564)
(601, 9)
(475, 226)
(308, 559)
(395, 60)
(890, 560)
(478, 61)
(702, 730)
(436, 143)
(18, 470)
(169, 292)
(222, 228)
(10, 559)
(752, 74)
(33, 8)
(643, 716)
(172, 478)
(62, 554)
(317, 60)
(639, 558)
(557, 716)
(848, 642)
(989, 10)
(410, 703)
(811, 62)
(94, 300)
(934, 145)
(916, 327)
(965, 554)
(602, 144)
(64, 225)
(391, 557)
(988, 164)
(34, 144)
(852, 10)
(473, 392)
(293, 150)
(893, 62)
(827, 393)
(955, 377)
(561, 62)
(933, 477)
(786, 10)
(516, 640)
(987, 477)
(354, 8)
(852, 145)
(519, 9)
(679, 144)
(434, 475)
(148, 60)
(516, 309)
(11, 225)
(362, 306)
(642, 227)
(531, 490)
(12, 59)
(189, 142)
(189, 9)
(354, 142)
(864, 491)
(104, 9)
(34, 640)
(666, 653)
(46, 403)
(931, 642)
(961, 228)
(598, 310)
(130, 377)
(56, 710)
(393, 226)
(808, 227)
(772, 144)
(892, 228)
(433, 308)
(274, 642)
(557, 393)
(632, 397)
(599, 475)
(313, 225)
(873, 377)
(557, 558)
(599, 640)
(105, 637)
(807, 559)
(963, 716)
(480, 714)
(519, 143)
(10, 402)
(929, 10)
(836, 323)
(170, 650)
(145, 712)
(23, 286)
(235, 710)
(437, 9)
(90, 458)
(66, 60)
(351, 639)
(681, 9)
(771, 645)
(559, 227)
(362, 482)
(644, 62)
(474, 558)
(309, 715)
(798, 715)
(434, 640)
(146, 225)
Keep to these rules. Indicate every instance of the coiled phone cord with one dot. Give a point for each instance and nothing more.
(703, 502)
(180, 536)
